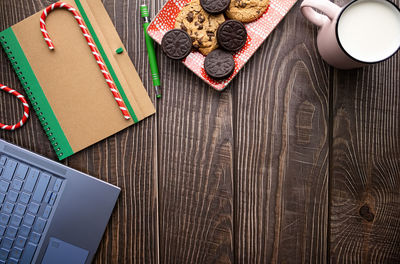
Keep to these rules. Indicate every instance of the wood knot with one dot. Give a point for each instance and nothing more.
(366, 213)
(304, 124)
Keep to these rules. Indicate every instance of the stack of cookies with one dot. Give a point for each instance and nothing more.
(215, 28)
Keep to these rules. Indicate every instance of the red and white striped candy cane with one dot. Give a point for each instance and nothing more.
(26, 108)
(92, 46)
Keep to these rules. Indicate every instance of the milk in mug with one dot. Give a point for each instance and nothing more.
(369, 30)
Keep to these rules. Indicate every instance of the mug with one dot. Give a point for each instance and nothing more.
(361, 33)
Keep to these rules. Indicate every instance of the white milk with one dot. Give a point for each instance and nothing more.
(369, 30)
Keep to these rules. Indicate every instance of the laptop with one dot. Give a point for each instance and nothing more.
(49, 213)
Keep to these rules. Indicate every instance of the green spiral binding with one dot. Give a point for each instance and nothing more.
(35, 94)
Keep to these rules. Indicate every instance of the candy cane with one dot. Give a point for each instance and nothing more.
(26, 108)
(92, 46)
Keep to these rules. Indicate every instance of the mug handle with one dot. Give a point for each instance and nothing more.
(325, 6)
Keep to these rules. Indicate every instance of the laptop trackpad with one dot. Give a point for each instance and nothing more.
(61, 252)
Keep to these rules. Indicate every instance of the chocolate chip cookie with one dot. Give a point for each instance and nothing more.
(215, 7)
(232, 35)
(247, 10)
(176, 44)
(200, 25)
(219, 64)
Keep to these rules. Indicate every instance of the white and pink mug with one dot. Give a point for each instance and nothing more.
(361, 33)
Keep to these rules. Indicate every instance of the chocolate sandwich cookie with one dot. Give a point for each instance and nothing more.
(219, 64)
(176, 44)
(232, 35)
(215, 7)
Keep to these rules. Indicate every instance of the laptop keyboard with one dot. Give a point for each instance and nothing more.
(27, 197)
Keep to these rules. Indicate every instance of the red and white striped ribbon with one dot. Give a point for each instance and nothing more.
(92, 46)
(26, 108)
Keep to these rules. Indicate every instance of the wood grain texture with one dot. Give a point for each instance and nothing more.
(365, 207)
(195, 169)
(281, 149)
(365, 175)
(194, 133)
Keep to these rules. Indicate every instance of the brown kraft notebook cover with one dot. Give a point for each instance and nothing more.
(65, 86)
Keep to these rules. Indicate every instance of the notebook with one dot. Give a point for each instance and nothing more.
(65, 86)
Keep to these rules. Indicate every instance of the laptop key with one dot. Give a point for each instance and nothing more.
(53, 198)
(31, 179)
(15, 220)
(41, 187)
(20, 242)
(15, 253)
(29, 219)
(4, 219)
(2, 230)
(33, 208)
(11, 232)
(3, 160)
(39, 225)
(47, 211)
(47, 197)
(20, 209)
(34, 238)
(21, 171)
(9, 169)
(12, 196)
(16, 184)
(8, 207)
(7, 243)
(28, 253)
(4, 186)
(2, 196)
(57, 185)
(3, 254)
(24, 230)
(24, 197)
(12, 261)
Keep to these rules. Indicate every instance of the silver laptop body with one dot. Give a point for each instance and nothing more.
(50, 213)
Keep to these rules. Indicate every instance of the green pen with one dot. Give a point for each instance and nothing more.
(144, 11)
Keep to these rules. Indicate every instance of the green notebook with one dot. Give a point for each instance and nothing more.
(65, 86)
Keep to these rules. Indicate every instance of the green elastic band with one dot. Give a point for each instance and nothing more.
(35, 94)
(144, 11)
(106, 61)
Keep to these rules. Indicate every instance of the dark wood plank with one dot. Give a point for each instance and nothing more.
(195, 153)
(195, 170)
(127, 159)
(365, 170)
(281, 149)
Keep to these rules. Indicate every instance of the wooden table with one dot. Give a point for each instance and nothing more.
(296, 162)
